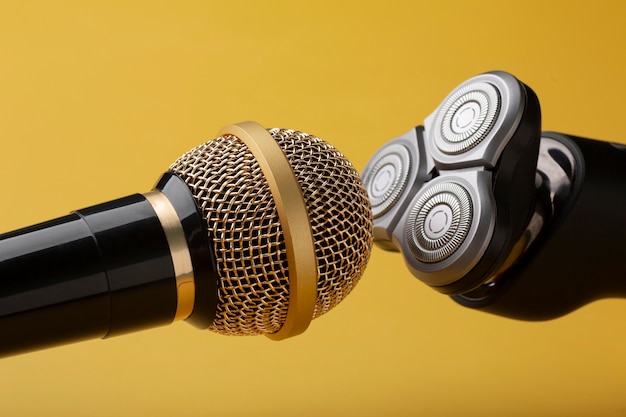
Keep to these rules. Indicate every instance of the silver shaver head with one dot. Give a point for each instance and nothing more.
(455, 194)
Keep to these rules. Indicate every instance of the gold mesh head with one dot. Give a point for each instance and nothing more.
(242, 220)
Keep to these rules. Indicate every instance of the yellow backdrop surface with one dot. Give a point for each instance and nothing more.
(98, 98)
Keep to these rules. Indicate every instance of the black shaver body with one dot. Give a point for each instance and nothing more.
(578, 255)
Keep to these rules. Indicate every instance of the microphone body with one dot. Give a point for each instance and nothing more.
(578, 257)
(99, 272)
(256, 232)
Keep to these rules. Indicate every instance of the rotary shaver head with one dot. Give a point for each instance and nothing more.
(456, 194)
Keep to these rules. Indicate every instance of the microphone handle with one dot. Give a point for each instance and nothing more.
(579, 257)
(101, 271)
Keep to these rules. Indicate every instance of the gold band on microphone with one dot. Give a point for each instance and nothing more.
(179, 250)
(294, 219)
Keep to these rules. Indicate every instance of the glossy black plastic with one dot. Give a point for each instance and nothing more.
(53, 288)
(99, 272)
(579, 257)
(136, 258)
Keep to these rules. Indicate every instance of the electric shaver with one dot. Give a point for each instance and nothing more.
(486, 208)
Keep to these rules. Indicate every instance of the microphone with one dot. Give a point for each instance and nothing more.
(503, 218)
(256, 232)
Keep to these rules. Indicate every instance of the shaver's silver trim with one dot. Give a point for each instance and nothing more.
(557, 169)
(558, 173)
(504, 120)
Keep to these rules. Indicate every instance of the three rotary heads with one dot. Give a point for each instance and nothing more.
(456, 195)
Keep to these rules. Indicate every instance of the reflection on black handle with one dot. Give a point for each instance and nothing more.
(86, 275)
(580, 256)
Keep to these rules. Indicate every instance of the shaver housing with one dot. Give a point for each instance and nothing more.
(455, 195)
(506, 219)
(575, 253)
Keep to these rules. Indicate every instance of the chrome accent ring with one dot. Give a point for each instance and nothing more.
(440, 244)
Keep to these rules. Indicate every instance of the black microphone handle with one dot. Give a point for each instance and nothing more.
(580, 256)
(101, 271)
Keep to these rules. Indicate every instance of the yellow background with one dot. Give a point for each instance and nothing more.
(98, 98)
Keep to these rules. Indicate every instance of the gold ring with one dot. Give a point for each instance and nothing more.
(179, 251)
(294, 219)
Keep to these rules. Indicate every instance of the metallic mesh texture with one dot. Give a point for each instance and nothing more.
(242, 220)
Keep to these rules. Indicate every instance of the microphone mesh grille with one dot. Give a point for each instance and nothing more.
(242, 221)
